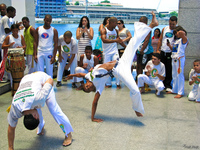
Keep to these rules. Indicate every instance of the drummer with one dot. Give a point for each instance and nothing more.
(14, 41)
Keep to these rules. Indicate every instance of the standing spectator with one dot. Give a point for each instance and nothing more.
(110, 38)
(145, 51)
(3, 13)
(29, 37)
(5, 31)
(87, 63)
(124, 34)
(167, 35)
(47, 43)
(67, 46)
(194, 78)
(98, 44)
(155, 39)
(84, 35)
(178, 61)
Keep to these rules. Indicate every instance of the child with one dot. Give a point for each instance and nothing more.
(154, 74)
(67, 46)
(194, 78)
(178, 61)
(86, 64)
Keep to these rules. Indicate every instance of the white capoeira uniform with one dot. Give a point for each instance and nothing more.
(89, 66)
(110, 51)
(152, 79)
(33, 94)
(194, 95)
(45, 49)
(123, 69)
(66, 51)
(178, 64)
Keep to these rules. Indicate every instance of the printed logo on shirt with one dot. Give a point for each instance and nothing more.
(45, 35)
(66, 49)
(153, 72)
(50, 56)
(175, 47)
(197, 82)
(62, 127)
(111, 37)
(23, 100)
(169, 35)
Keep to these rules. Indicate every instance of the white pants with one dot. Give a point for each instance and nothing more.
(123, 69)
(194, 95)
(62, 64)
(108, 58)
(31, 64)
(57, 113)
(178, 78)
(158, 84)
(80, 70)
(45, 58)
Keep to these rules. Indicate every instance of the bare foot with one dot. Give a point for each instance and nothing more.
(119, 87)
(108, 86)
(97, 120)
(142, 90)
(68, 140)
(178, 96)
(79, 88)
(197, 101)
(138, 114)
(42, 132)
(154, 21)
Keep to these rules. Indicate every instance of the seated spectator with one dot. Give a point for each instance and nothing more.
(87, 62)
(154, 74)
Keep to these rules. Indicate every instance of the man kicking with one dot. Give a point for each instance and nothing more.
(120, 69)
(34, 91)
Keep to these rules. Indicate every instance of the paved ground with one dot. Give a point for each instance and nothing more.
(168, 124)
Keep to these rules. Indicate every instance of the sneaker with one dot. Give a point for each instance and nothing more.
(58, 84)
(168, 90)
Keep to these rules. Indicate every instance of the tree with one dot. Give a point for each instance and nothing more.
(77, 3)
(106, 1)
(161, 15)
(67, 3)
(173, 13)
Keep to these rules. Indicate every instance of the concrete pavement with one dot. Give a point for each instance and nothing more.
(168, 123)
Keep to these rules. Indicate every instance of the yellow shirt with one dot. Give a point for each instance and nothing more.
(29, 40)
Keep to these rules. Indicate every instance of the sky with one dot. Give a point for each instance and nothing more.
(160, 5)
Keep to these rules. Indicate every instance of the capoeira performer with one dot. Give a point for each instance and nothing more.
(120, 69)
(86, 64)
(194, 78)
(67, 47)
(34, 91)
(154, 74)
(178, 61)
(46, 44)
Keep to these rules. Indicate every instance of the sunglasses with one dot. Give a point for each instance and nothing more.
(119, 23)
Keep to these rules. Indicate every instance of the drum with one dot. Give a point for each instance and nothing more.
(15, 64)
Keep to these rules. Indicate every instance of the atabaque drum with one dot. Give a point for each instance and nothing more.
(15, 64)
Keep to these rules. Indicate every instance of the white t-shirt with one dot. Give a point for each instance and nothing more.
(24, 98)
(18, 41)
(178, 49)
(70, 48)
(45, 42)
(167, 34)
(5, 23)
(89, 62)
(99, 83)
(160, 68)
(110, 48)
(194, 73)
